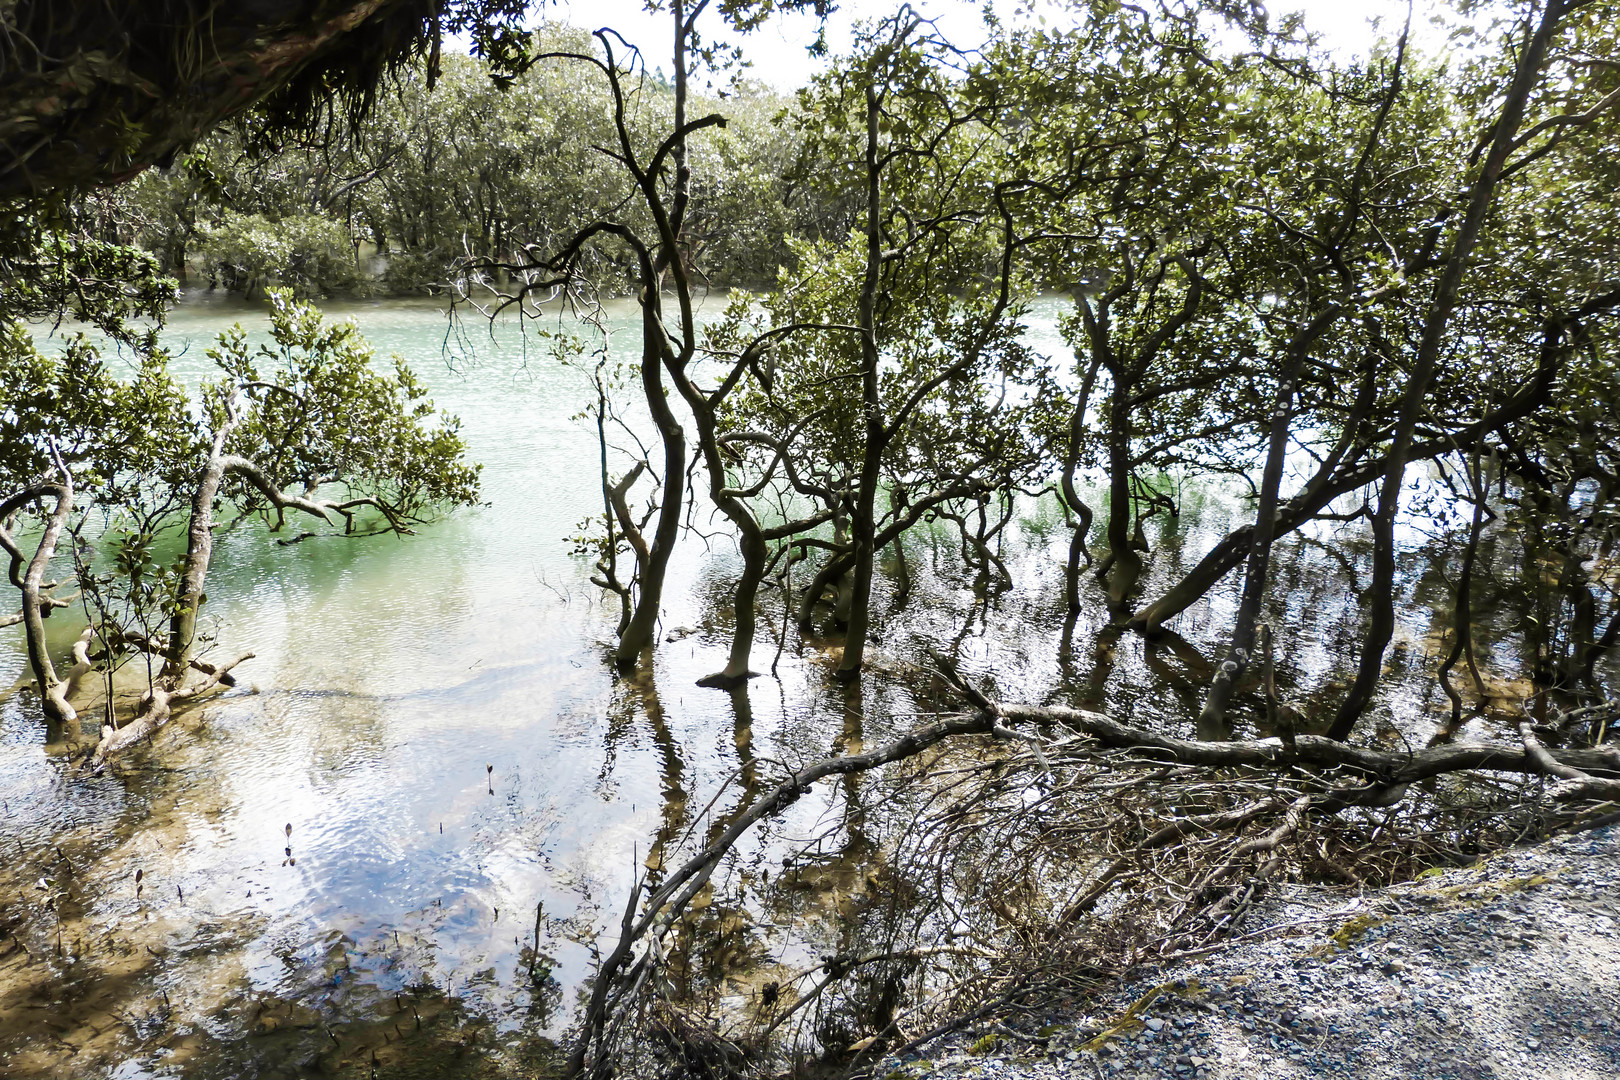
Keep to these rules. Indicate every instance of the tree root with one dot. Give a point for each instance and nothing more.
(158, 706)
(1054, 862)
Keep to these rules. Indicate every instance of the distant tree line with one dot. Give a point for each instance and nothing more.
(467, 168)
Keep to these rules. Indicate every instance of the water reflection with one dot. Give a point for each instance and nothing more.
(426, 919)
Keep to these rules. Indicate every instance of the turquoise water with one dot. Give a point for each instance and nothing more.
(435, 719)
(389, 676)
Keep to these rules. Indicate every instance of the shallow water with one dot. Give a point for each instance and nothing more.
(390, 675)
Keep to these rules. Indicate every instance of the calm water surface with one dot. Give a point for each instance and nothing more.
(389, 675)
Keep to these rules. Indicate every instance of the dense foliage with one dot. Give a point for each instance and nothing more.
(1380, 298)
(109, 451)
(466, 168)
(1313, 279)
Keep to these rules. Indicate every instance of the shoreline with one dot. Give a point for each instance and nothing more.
(1508, 968)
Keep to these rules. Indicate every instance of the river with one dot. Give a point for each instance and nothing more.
(435, 720)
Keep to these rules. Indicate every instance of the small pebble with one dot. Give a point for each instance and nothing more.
(1540, 1001)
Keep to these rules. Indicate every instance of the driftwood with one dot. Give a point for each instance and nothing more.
(618, 975)
(157, 706)
(1176, 885)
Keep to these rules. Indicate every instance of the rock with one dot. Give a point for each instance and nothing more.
(1154, 1024)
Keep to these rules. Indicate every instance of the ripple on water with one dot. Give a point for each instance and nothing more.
(389, 673)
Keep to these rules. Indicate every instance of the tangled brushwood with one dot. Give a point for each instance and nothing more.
(1032, 854)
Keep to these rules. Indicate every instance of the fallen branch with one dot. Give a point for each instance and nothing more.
(1578, 783)
(665, 905)
(1193, 835)
(1393, 770)
(155, 710)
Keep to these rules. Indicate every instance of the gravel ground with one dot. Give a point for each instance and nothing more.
(1507, 969)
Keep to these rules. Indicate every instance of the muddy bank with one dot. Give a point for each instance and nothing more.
(122, 986)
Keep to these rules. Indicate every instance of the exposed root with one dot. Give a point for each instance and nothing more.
(157, 707)
(1025, 866)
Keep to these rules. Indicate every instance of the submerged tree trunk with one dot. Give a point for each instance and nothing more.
(616, 508)
(745, 600)
(199, 553)
(902, 567)
(1586, 662)
(643, 626)
(863, 521)
(179, 652)
(1122, 567)
(1071, 496)
(1582, 633)
(1462, 639)
(1481, 196)
(37, 604)
(1125, 564)
(835, 569)
(1212, 717)
(750, 543)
